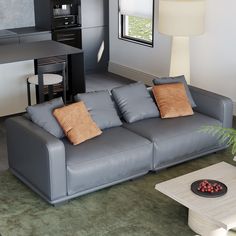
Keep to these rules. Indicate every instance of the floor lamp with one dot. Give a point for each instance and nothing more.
(181, 19)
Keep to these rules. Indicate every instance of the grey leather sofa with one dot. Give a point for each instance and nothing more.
(59, 171)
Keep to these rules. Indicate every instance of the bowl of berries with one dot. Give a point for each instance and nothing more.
(209, 188)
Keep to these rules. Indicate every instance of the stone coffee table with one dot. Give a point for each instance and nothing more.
(207, 216)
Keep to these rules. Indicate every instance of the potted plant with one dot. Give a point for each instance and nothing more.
(225, 135)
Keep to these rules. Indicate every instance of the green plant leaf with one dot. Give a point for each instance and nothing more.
(224, 135)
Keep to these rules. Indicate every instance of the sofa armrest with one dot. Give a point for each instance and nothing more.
(37, 157)
(214, 105)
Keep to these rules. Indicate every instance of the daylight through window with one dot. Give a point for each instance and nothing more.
(136, 21)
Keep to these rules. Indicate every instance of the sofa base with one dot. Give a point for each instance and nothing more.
(63, 200)
(189, 158)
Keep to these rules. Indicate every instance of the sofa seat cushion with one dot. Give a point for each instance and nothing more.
(115, 155)
(176, 139)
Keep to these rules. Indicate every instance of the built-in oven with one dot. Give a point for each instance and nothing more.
(66, 13)
(67, 22)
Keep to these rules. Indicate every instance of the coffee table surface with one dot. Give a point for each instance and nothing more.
(221, 210)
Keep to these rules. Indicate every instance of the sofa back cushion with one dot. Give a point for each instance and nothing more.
(76, 122)
(101, 108)
(41, 114)
(172, 100)
(134, 102)
(177, 79)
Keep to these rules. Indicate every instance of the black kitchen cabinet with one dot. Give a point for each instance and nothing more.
(95, 34)
(94, 13)
(79, 23)
(70, 36)
(96, 51)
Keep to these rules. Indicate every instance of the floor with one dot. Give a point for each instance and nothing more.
(104, 81)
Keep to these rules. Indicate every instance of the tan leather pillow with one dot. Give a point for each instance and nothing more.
(172, 100)
(77, 123)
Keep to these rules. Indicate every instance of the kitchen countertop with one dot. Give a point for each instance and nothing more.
(7, 33)
(28, 31)
(21, 32)
(35, 50)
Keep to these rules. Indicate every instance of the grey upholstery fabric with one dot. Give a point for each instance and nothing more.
(37, 156)
(117, 154)
(177, 79)
(174, 139)
(41, 114)
(214, 105)
(101, 107)
(135, 102)
(54, 168)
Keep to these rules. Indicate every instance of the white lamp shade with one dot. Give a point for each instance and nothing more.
(181, 17)
(139, 8)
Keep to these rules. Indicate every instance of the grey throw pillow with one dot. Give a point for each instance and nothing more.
(177, 79)
(41, 114)
(135, 102)
(101, 107)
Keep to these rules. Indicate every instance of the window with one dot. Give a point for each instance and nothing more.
(136, 21)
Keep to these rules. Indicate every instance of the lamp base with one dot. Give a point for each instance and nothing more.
(180, 59)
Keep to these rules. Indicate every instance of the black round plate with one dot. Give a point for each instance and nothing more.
(195, 185)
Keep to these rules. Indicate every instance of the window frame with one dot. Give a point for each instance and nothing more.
(122, 36)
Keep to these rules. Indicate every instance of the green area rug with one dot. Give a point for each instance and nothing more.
(131, 208)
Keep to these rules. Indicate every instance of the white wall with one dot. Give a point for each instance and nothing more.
(13, 88)
(149, 60)
(213, 55)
